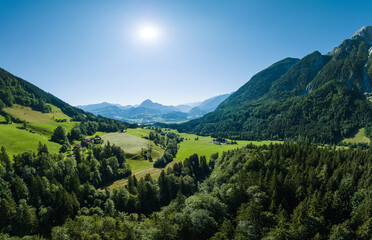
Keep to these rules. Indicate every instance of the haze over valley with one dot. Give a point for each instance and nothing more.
(150, 112)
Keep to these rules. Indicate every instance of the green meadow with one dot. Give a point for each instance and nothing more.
(138, 132)
(129, 143)
(39, 128)
(17, 140)
(41, 123)
(359, 137)
(137, 165)
(204, 146)
(132, 143)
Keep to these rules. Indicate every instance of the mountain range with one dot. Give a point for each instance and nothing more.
(150, 112)
(320, 98)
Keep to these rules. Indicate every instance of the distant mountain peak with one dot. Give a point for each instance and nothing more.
(364, 33)
(147, 101)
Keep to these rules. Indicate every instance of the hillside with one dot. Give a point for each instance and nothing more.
(15, 90)
(320, 98)
(30, 115)
(207, 106)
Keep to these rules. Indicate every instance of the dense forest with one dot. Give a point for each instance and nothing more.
(43, 190)
(321, 97)
(283, 191)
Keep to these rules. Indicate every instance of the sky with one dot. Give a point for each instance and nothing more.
(87, 52)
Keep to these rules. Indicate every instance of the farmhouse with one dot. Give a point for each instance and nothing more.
(98, 140)
(87, 141)
(78, 146)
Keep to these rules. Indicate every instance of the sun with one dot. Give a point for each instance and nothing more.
(148, 33)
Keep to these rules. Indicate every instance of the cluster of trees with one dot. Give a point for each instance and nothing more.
(268, 192)
(171, 141)
(40, 191)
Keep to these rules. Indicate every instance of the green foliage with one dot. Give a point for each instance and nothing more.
(59, 135)
(267, 192)
(14, 90)
(170, 141)
(320, 98)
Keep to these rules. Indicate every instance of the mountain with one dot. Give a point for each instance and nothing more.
(187, 106)
(150, 112)
(148, 104)
(320, 98)
(207, 106)
(93, 107)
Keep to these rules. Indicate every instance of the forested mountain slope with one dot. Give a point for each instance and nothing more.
(321, 97)
(268, 192)
(14, 90)
(29, 115)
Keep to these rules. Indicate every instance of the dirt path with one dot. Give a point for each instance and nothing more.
(154, 172)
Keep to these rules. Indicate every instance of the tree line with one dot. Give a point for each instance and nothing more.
(42, 190)
(270, 192)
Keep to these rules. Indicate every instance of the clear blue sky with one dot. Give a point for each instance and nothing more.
(89, 51)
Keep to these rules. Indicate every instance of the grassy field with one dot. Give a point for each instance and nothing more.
(17, 140)
(205, 147)
(41, 123)
(137, 165)
(138, 132)
(40, 127)
(358, 138)
(26, 113)
(154, 172)
(99, 134)
(132, 146)
(128, 142)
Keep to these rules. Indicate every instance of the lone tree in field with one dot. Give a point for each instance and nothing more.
(59, 135)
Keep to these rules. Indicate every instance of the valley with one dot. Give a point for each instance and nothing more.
(150, 112)
(286, 156)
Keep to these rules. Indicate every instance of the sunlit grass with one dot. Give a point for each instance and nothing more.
(360, 137)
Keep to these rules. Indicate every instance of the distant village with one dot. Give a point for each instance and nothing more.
(87, 141)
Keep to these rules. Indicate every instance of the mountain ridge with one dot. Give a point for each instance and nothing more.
(323, 98)
(151, 112)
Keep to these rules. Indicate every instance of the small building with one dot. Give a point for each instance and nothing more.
(97, 140)
(86, 142)
(217, 143)
(77, 146)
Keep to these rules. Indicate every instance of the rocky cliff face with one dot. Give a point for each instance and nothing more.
(364, 33)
